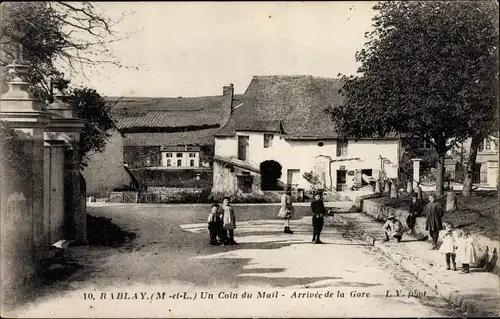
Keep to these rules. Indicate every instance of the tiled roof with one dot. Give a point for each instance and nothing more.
(181, 149)
(145, 112)
(297, 102)
(198, 137)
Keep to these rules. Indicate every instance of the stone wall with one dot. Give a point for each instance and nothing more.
(18, 265)
(380, 212)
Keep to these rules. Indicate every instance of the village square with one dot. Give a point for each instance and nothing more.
(334, 159)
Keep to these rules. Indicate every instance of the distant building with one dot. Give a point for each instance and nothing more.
(155, 128)
(180, 157)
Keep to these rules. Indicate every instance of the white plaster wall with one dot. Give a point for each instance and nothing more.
(304, 155)
(185, 159)
(105, 170)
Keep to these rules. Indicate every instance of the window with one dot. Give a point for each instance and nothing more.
(169, 162)
(192, 154)
(341, 148)
(179, 155)
(487, 144)
(191, 163)
(168, 154)
(425, 145)
(179, 162)
(242, 147)
(268, 140)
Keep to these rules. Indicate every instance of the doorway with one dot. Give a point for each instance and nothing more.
(293, 176)
(341, 180)
(367, 172)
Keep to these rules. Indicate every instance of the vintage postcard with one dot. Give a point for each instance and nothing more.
(249, 159)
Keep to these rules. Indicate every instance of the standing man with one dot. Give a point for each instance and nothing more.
(318, 211)
(228, 219)
(286, 209)
(414, 211)
(434, 214)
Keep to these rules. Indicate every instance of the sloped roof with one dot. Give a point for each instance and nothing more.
(198, 137)
(151, 112)
(297, 102)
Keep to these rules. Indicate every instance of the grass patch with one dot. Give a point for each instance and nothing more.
(479, 212)
(101, 231)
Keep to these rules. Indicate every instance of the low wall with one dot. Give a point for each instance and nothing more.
(175, 195)
(380, 212)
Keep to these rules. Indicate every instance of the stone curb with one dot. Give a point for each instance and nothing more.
(465, 304)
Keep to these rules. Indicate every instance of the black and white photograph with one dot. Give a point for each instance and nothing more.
(275, 159)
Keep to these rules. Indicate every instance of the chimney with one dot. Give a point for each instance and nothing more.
(228, 93)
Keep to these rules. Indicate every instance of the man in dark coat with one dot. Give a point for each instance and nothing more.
(318, 211)
(415, 210)
(434, 214)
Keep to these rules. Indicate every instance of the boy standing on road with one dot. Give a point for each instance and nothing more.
(213, 225)
(318, 211)
(228, 220)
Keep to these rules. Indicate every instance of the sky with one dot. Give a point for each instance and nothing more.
(195, 48)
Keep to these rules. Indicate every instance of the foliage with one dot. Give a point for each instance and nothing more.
(92, 107)
(58, 37)
(13, 158)
(427, 70)
(270, 173)
(312, 179)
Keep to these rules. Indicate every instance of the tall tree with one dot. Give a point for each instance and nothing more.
(58, 37)
(426, 70)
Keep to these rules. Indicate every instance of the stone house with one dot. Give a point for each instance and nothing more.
(282, 118)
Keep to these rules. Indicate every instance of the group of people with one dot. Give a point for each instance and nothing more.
(221, 224)
(317, 209)
(456, 244)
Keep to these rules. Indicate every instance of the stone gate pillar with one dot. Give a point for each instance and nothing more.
(416, 171)
(66, 126)
(22, 206)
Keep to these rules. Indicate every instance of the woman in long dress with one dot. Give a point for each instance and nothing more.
(286, 210)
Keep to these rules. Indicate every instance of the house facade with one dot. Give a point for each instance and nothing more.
(106, 170)
(282, 118)
(180, 157)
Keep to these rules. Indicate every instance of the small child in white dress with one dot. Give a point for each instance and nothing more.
(448, 246)
(466, 251)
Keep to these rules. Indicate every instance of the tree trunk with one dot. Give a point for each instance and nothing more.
(394, 191)
(471, 163)
(409, 186)
(451, 202)
(440, 176)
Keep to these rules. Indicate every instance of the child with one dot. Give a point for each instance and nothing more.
(448, 246)
(318, 210)
(229, 221)
(466, 251)
(213, 224)
(393, 228)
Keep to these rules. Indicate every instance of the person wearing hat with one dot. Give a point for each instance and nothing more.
(318, 211)
(414, 211)
(434, 215)
(286, 210)
(393, 228)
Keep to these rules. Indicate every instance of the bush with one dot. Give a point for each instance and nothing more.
(102, 232)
